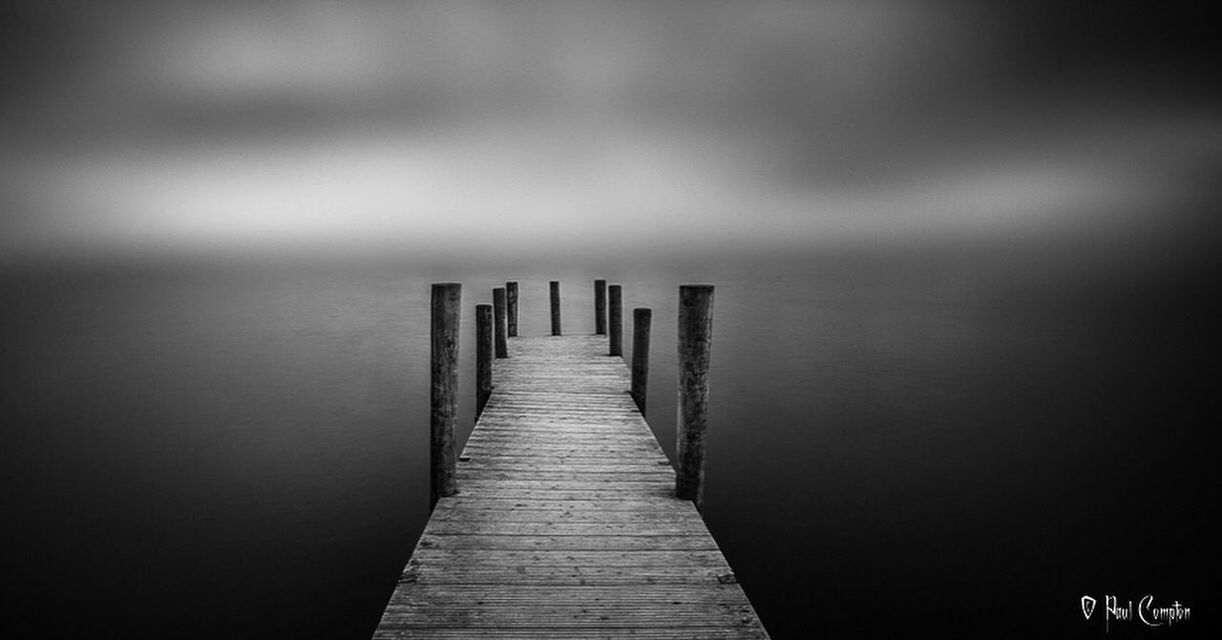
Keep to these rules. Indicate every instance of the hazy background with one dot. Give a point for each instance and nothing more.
(966, 258)
(177, 128)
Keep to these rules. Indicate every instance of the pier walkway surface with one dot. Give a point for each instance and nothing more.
(566, 523)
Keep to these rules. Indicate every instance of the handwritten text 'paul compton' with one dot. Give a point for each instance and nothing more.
(1147, 613)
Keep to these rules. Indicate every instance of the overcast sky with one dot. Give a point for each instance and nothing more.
(168, 127)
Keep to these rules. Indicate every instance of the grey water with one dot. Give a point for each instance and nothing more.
(925, 441)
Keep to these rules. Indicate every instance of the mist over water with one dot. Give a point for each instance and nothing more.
(965, 335)
(243, 451)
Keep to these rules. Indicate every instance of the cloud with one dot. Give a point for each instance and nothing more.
(185, 127)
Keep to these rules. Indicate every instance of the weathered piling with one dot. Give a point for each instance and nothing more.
(616, 319)
(498, 322)
(443, 400)
(695, 336)
(511, 308)
(642, 318)
(600, 307)
(554, 285)
(483, 356)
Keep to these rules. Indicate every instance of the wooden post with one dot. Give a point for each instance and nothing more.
(498, 317)
(511, 308)
(617, 319)
(446, 312)
(642, 318)
(483, 356)
(555, 290)
(600, 307)
(695, 336)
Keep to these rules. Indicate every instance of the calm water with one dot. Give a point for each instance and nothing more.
(934, 443)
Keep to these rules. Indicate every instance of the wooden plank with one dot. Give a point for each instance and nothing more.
(565, 524)
(605, 493)
(575, 475)
(393, 632)
(608, 543)
(479, 465)
(418, 614)
(588, 516)
(642, 596)
(509, 504)
(569, 558)
(589, 464)
(474, 525)
(559, 575)
(511, 451)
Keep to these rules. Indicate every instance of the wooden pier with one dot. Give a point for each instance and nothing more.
(565, 522)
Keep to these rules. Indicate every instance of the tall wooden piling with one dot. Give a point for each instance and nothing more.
(554, 285)
(511, 308)
(483, 356)
(695, 337)
(443, 400)
(498, 322)
(600, 307)
(616, 319)
(642, 318)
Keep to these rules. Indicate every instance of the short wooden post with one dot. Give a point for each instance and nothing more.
(511, 308)
(483, 356)
(600, 307)
(446, 312)
(498, 322)
(642, 318)
(616, 319)
(695, 336)
(555, 291)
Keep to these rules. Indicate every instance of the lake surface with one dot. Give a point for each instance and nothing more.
(942, 441)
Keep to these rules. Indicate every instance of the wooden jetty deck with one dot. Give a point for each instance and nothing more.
(566, 523)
